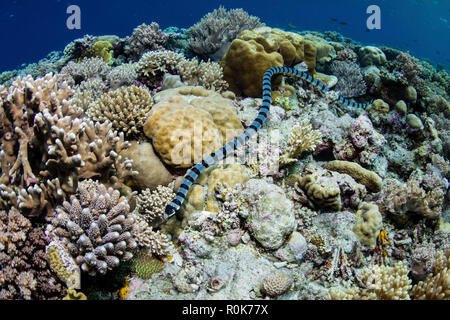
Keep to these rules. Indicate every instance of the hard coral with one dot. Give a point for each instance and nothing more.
(400, 199)
(212, 36)
(24, 270)
(126, 108)
(144, 38)
(96, 228)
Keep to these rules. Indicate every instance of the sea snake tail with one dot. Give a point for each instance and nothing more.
(242, 139)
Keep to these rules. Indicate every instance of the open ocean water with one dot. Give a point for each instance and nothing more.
(30, 29)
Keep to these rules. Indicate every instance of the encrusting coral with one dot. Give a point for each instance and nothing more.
(96, 228)
(370, 179)
(126, 108)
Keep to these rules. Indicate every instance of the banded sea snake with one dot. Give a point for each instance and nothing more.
(242, 139)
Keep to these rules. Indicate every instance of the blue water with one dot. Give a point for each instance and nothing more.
(30, 29)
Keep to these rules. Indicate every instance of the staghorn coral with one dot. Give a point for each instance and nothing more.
(153, 241)
(96, 228)
(208, 74)
(24, 270)
(152, 203)
(126, 108)
(302, 138)
(437, 284)
(212, 36)
(100, 147)
(159, 62)
(144, 38)
(350, 79)
(399, 199)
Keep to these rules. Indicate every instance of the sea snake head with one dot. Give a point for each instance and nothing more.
(169, 212)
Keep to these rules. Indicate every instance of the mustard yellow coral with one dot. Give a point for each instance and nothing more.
(319, 196)
(102, 49)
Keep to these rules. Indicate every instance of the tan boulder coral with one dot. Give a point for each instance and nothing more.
(152, 171)
(368, 225)
(371, 56)
(126, 108)
(325, 51)
(370, 179)
(189, 123)
(244, 66)
(290, 45)
(259, 49)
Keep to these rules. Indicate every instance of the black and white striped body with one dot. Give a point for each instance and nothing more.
(242, 139)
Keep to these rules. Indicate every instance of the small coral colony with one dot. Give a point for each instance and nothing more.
(328, 201)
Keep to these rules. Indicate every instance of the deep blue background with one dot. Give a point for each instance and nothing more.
(30, 29)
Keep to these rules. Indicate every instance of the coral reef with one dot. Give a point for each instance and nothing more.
(126, 108)
(350, 79)
(96, 228)
(213, 34)
(144, 38)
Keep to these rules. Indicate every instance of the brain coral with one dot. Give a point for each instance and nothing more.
(189, 123)
(277, 284)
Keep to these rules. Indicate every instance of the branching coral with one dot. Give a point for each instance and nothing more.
(154, 241)
(350, 79)
(437, 284)
(152, 203)
(192, 72)
(96, 228)
(212, 36)
(87, 92)
(380, 283)
(88, 68)
(123, 75)
(24, 270)
(144, 38)
(302, 138)
(126, 108)
(398, 199)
